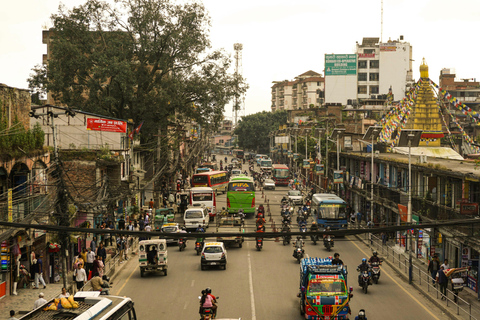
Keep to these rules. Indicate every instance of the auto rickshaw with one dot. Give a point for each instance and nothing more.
(167, 213)
(152, 255)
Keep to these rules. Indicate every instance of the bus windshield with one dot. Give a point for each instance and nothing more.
(281, 173)
(327, 288)
(266, 163)
(332, 211)
(241, 186)
(200, 179)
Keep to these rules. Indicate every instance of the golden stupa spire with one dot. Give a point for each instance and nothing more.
(424, 69)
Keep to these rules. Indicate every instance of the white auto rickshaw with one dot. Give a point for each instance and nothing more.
(152, 255)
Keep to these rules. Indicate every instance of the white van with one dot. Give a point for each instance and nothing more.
(205, 196)
(196, 215)
(236, 172)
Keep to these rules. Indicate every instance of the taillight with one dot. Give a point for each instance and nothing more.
(228, 202)
(223, 255)
(253, 202)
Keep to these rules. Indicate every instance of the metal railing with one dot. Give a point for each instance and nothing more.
(420, 277)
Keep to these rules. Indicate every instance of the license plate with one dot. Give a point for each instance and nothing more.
(213, 263)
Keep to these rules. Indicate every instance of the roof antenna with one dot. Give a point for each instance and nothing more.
(381, 23)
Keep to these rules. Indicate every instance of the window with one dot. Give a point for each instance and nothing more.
(362, 89)
(318, 83)
(374, 64)
(368, 50)
(362, 77)
(373, 89)
(362, 64)
(374, 76)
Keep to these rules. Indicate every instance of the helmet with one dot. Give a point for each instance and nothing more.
(298, 238)
(203, 292)
(223, 208)
(199, 225)
(208, 290)
(328, 228)
(374, 253)
(291, 208)
(361, 314)
(364, 260)
(314, 222)
(330, 258)
(336, 255)
(183, 228)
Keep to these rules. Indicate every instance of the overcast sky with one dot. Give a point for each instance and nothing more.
(283, 38)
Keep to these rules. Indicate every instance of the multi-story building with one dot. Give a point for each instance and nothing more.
(306, 91)
(381, 68)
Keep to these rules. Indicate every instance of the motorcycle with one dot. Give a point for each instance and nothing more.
(206, 313)
(375, 272)
(303, 228)
(198, 247)
(328, 243)
(364, 280)
(286, 238)
(298, 254)
(182, 243)
(314, 239)
(259, 244)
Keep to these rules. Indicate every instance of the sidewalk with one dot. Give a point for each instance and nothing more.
(468, 306)
(23, 302)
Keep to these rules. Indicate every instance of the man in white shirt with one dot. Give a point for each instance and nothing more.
(90, 259)
(445, 265)
(40, 301)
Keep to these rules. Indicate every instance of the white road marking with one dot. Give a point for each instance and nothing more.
(185, 306)
(250, 280)
(193, 283)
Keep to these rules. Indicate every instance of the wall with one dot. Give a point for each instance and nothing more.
(393, 69)
(81, 180)
(15, 102)
(338, 89)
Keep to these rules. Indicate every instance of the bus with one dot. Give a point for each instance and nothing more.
(238, 153)
(266, 165)
(206, 196)
(202, 169)
(211, 165)
(330, 211)
(217, 180)
(241, 194)
(281, 174)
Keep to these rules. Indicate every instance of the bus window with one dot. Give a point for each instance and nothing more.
(200, 179)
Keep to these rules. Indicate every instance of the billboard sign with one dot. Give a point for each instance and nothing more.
(340, 64)
(106, 125)
(337, 177)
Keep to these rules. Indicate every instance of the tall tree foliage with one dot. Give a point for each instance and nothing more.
(145, 60)
(253, 130)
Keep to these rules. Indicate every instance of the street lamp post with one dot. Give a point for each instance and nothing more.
(319, 157)
(372, 134)
(337, 134)
(409, 138)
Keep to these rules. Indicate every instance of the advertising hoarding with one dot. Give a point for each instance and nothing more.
(340, 64)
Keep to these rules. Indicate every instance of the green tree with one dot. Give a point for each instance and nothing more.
(253, 130)
(146, 60)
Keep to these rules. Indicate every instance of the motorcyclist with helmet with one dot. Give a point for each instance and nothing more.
(361, 315)
(224, 212)
(374, 258)
(208, 301)
(314, 228)
(261, 209)
(200, 230)
(299, 243)
(364, 266)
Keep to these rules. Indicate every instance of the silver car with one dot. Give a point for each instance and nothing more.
(269, 184)
(295, 196)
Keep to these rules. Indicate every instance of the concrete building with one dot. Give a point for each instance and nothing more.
(379, 68)
(306, 91)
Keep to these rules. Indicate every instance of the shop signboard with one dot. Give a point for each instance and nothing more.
(472, 283)
(306, 163)
(403, 212)
(469, 208)
(106, 125)
(340, 64)
(337, 176)
(319, 168)
(420, 244)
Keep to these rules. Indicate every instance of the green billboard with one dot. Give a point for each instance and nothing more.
(340, 64)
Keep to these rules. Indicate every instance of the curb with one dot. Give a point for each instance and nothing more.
(418, 288)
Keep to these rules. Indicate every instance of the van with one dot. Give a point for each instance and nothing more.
(152, 255)
(196, 215)
(206, 196)
(236, 172)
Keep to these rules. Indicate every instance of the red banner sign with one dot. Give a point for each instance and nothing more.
(403, 212)
(106, 125)
(366, 55)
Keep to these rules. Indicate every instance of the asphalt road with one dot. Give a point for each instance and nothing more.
(262, 285)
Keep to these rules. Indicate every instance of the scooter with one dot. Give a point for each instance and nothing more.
(328, 243)
(259, 244)
(298, 254)
(303, 228)
(375, 272)
(314, 239)
(207, 313)
(182, 243)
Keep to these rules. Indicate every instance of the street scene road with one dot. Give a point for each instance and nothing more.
(263, 284)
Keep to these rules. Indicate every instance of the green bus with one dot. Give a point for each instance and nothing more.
(241, 194)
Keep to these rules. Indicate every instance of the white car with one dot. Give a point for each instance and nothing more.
(214, 254)
(295, 196)
(171, 228)
(269, 184)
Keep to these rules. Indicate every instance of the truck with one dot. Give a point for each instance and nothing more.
(324, 294)
(230, 225)
(87, 305)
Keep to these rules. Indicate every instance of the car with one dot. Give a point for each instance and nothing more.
(171, 228)
(213, 254)
(269, 184)
(295, 196)
(196, 215)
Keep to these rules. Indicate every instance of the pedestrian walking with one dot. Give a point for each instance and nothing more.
(359, 218)
(90, 259)
(40, 301)
(101, 252)
(445, 265)
(93, 245)
(442, 280)
(80, 277)
(433, 267)
(12, 313)
(39, 272)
